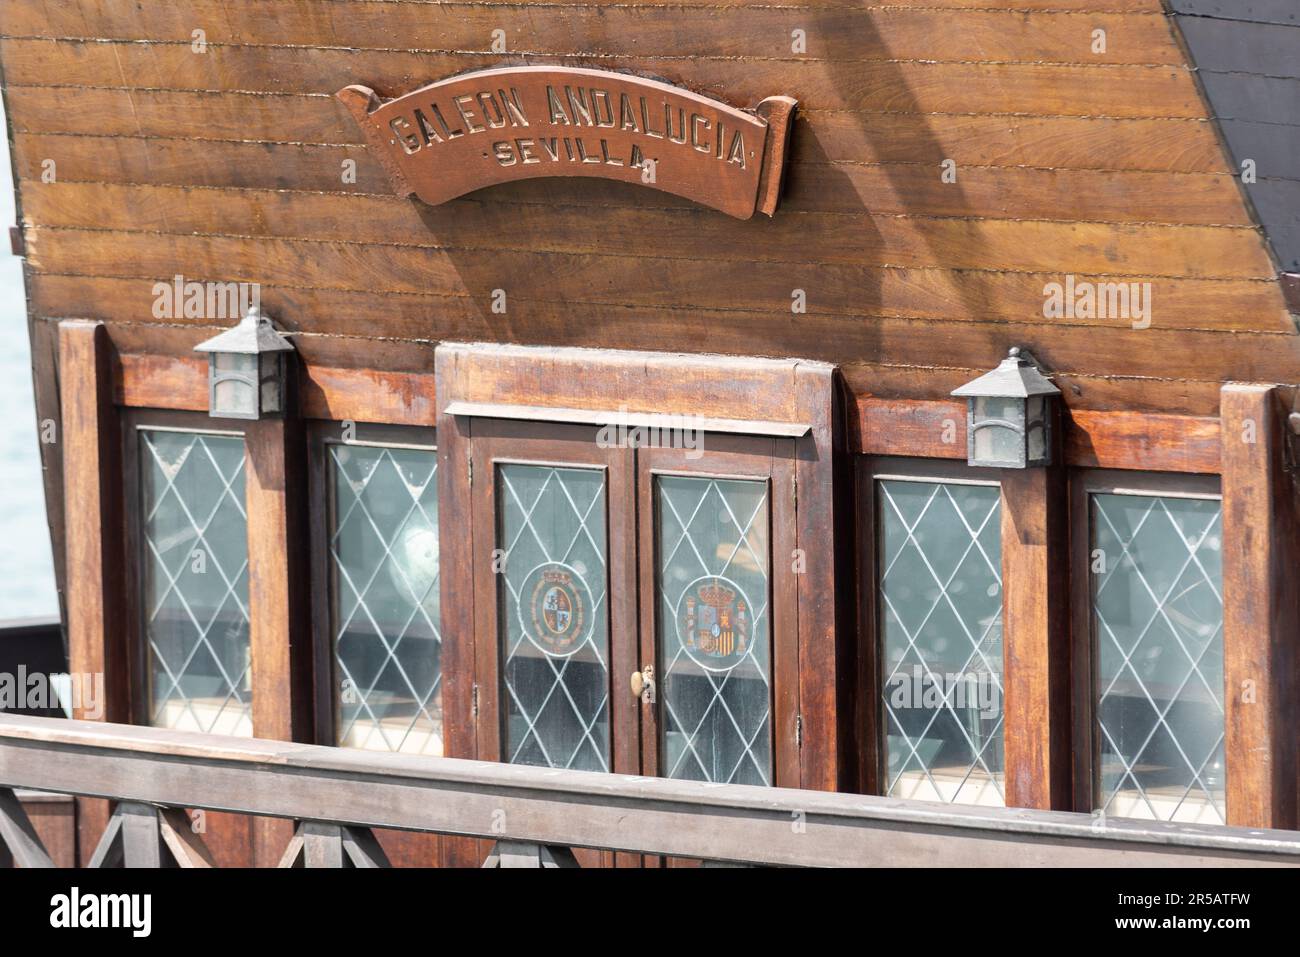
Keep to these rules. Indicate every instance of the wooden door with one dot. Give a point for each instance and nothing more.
(555, 598)
(718, 611)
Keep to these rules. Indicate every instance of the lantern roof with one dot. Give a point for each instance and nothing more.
(252, 335)
(1016, 377)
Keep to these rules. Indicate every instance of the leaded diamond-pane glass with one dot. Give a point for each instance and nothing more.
(385, 598)
(714, 632)
(940, 586)
(554, 622)
(195, 581)
(1157, 609)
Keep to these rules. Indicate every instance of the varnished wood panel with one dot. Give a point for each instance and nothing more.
(997, 192)
(902, 294)
(1036, 636)
(1141, 251)
(95, 555)
(908, 86)
(1077, 142)
(888, 32)
(1261, 607)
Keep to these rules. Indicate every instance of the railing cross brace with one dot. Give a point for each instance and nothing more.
(525, 854)
(18, 834)
(321, 844)
(145, 835)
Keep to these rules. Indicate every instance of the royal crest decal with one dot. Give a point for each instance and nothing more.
(554, 609)
(715, 622)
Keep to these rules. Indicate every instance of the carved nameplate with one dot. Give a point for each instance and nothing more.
(496, 126)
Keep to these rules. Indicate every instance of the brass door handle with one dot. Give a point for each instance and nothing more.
(642, 684)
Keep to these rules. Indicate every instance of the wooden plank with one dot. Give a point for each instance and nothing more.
(322, 844)
(278, 582)
(549, 278)
(362, 849)
(142, 843)
(44, 338)
(574, 808)
(93, 535)
(910, 294)
(186, 847)
(1071, 350)
(1138, 440)
(277, 587)
(867, 709)
(54, 818)
(292, 856)
(326, 392)
(823, 582)
(895, 33)
(909, 86)
(820, 136)
(1036, 730)
(1261, 608)
(108, 851)
(1092, 439)
(896, 189)
(17, 835)
(1079, 390)
(1141, 251)
(711, 386)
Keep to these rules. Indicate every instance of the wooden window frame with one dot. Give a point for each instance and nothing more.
(738, 395)
(134, 421)
(1084, 483)
(870, 711)
(320, 435)
(739, 458)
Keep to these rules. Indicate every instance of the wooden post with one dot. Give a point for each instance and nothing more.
(1261, 608)
(322, 844)
(142, 843)
(94, 538)
(278, 565)
(1036, 636)
(824, 537)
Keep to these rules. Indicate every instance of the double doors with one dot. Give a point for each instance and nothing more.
(634, 604)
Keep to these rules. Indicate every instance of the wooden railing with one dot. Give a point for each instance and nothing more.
(537, 815)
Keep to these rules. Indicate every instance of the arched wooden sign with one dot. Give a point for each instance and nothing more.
(496, 126)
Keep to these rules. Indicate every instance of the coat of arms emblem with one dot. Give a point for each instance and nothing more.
(557, 610)
(715, 623)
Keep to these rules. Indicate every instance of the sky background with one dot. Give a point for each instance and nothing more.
(26, 569)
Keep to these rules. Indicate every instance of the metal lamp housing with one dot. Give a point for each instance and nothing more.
(246, 369)
(1009, 415)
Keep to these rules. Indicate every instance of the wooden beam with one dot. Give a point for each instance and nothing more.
(180, 381)
(95, 553)
(824, 539)
(178, 834)
(278, 581)
(1261, 608)
(523, 854)
(17, 834)
(322, 844)
(1138, 440)
(592, 809)
(1036, 636)
(108, 851)
(936, 428)
(142, 842)
(363, 849)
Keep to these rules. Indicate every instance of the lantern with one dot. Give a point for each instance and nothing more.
(1009, 415)
(246, 369)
